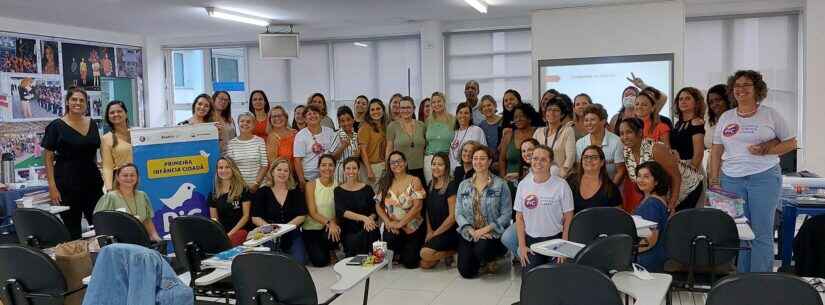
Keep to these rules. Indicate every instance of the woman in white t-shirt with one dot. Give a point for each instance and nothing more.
(544, 208)
(464, 131)
(310, 143)
(747, 143)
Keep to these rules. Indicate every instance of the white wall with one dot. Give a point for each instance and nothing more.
(814, 77)
(610, 31)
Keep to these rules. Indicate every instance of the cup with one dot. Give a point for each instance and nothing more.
(379, 249)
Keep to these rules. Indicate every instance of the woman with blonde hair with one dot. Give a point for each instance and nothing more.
(281, 203)
(230, 202)
(439, 131)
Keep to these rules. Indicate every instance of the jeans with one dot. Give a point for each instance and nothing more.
(290, 243)
(535, 258)
(135, 275)
(510, 240)
(407, 246)
(761, 193)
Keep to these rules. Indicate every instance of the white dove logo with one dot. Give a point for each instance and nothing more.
(183, 193)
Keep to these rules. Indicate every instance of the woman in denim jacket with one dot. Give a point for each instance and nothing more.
(483, 210)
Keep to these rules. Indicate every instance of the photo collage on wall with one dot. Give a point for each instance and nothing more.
(34, 74)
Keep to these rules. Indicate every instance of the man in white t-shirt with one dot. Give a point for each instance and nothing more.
(544, 208)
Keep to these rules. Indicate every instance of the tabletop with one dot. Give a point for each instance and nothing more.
(645, 292)
(349, 276)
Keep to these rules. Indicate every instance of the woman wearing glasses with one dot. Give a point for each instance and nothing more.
(745, 154)
(400, 202)
(407, 135)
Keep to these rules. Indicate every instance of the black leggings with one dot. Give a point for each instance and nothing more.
(359, 242)
(692, 198)
(537, 259)
(318, 247)
(447, 241)
(406, 246)
(472, 255)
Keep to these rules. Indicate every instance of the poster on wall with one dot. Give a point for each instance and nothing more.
(22, 139)
(33, 97)
(129, 63)
(96, 103)
(176, 168)
(49, 59)
(18, 55)
(5, 108)
(84, 65)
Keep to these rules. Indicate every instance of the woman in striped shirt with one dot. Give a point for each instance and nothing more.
(249, 152)
(345, 144)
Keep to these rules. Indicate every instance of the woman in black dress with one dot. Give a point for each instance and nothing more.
(590, 184)
(355, 206)
(70, 148)
(439, 207)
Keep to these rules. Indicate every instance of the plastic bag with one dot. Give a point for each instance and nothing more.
(726, 201)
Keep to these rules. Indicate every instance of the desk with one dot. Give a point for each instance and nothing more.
(349, 276)
(219, 273)
(791, 208)
(645, 292)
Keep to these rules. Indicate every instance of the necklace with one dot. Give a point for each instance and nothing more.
(131, 208)
(748, 114)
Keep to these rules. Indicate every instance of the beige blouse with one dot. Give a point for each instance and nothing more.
(564, 148)
(113, 157)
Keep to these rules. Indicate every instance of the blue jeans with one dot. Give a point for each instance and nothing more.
(290, 243)
(761, 193)
(510, 240)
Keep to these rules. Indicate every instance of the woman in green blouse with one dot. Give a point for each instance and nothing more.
(439, 131)
(406, 135)
(125, 197)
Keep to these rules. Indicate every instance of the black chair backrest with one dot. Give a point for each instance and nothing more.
(567, 284)
(35, 271)
(205, 233)
(763, 289)
(124, 227)
(608, 255)
(39, 228)
(701, 227)
(594, 223)
(261, 275)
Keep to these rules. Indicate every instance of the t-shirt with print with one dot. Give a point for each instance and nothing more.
(543, 205)
(310, 147)
(230, 211)
(737, 134)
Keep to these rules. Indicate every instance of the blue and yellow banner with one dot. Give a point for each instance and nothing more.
(177, 166)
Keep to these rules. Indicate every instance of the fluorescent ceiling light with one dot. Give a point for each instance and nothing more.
(235, 17)
(479, 5)
(360, 44)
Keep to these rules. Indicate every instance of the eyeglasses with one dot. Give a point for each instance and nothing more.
(396, 162)
(591, 158)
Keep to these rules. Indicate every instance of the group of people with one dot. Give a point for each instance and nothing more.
(476, 183)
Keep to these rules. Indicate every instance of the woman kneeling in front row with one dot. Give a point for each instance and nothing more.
(483, 210)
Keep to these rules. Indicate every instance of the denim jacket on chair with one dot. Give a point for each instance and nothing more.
(127, 274)
(496, 206)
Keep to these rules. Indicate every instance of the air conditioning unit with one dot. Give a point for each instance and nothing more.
(279, 45)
